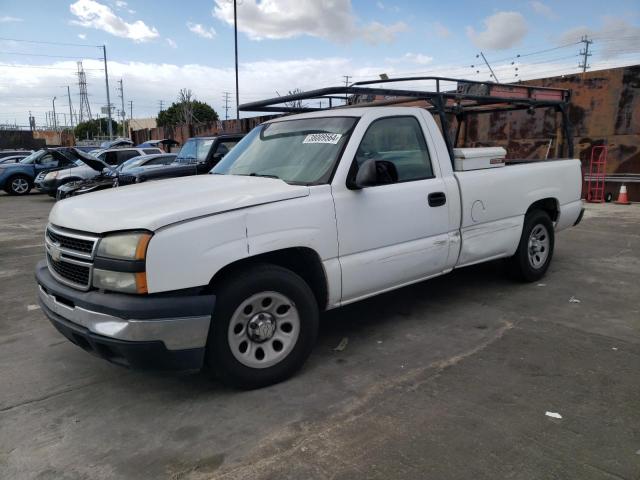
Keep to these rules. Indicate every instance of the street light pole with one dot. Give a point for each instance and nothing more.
(235, 34)
(55, 122)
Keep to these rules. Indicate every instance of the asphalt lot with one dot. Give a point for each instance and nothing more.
(447, 379)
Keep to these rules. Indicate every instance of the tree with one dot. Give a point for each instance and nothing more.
(294, 103)
(93, 128)
(186, 110)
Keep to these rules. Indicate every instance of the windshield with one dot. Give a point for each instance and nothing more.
(195, 150)
(33, 157)
(296, 151)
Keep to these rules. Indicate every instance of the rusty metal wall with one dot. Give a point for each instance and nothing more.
(605, 110)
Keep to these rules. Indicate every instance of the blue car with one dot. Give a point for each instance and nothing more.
(17, 178)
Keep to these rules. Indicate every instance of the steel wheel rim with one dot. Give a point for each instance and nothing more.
(538, 246)
(20, 185)
(275, 336)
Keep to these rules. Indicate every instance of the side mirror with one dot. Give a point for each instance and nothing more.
(374, 172)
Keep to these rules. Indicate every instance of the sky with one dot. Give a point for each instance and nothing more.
(159, 47)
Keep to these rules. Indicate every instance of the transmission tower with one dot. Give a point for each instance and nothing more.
(85, 109)
(226, 98)
(123, 112)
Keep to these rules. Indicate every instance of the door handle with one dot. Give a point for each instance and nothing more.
(437, 199)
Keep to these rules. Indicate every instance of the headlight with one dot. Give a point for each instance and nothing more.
(111, 273)
(124, 246)
(51, 175)
(126, 282)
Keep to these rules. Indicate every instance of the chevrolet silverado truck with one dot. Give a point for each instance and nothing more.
(309, 212)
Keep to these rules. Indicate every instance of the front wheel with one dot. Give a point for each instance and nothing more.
(263, 327)
(18, 185)
(535, 249)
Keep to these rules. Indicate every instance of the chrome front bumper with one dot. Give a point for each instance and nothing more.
(178, 333)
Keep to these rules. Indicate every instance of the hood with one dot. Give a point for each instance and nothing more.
(153, 205)
(95, 163)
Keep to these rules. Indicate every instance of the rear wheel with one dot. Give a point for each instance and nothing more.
(18, 185)
(535, 249)
(263, 327)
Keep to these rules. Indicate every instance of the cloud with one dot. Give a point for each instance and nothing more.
(82, 36)
(440, 30)
(329, 19)
(376, 32)
(92, 14)
(503, 30)
(382, 6)
(201, 31)
(543, 9)
(418, 58)
(7, 19)
(616, 37)
(171, 43)
(24, 88)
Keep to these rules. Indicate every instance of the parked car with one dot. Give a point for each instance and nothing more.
(13, 158)
(117, 143)
(198, 155)
(50, 182)
(108, 177)
(11, 153)
(308, 212)
(165, 144)
(18, 178)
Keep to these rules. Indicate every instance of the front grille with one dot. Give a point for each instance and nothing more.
(71, 243)
(77, 274)
(70, 256)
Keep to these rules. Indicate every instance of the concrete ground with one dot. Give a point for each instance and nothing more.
(447, 379)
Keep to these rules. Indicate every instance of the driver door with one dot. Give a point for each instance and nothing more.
(392, 233)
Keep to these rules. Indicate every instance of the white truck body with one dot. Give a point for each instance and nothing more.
(367, 240)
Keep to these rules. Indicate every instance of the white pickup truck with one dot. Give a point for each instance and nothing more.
(309, 212)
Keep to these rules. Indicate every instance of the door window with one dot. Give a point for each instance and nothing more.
(124, 155)
(398, 140)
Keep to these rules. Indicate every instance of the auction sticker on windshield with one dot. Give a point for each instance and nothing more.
(331, 138)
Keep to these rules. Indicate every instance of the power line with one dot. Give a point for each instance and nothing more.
(47, 55)
(50, 43)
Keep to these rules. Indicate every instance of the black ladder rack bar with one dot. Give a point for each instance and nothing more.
(442, 102)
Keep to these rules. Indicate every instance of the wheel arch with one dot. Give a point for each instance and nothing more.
(550, 205)
(303, 261)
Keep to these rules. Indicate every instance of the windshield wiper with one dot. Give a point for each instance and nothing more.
(255, 174)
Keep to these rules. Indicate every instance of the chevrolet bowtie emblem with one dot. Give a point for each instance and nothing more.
(55, 252)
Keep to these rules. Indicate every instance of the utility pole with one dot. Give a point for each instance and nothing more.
(161, 104)
(585, 53)
(70, 109)
(55, 121)
(346, 84)
(122, 112)
(130, 114)
(106, 81)
(489, 67)
(226, 104)
(235, 36)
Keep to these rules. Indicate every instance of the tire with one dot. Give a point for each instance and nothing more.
(18, 185)
(270, 312)
(531, 261)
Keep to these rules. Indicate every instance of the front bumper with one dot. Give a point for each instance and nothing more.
(46, 187)
(145, 331)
